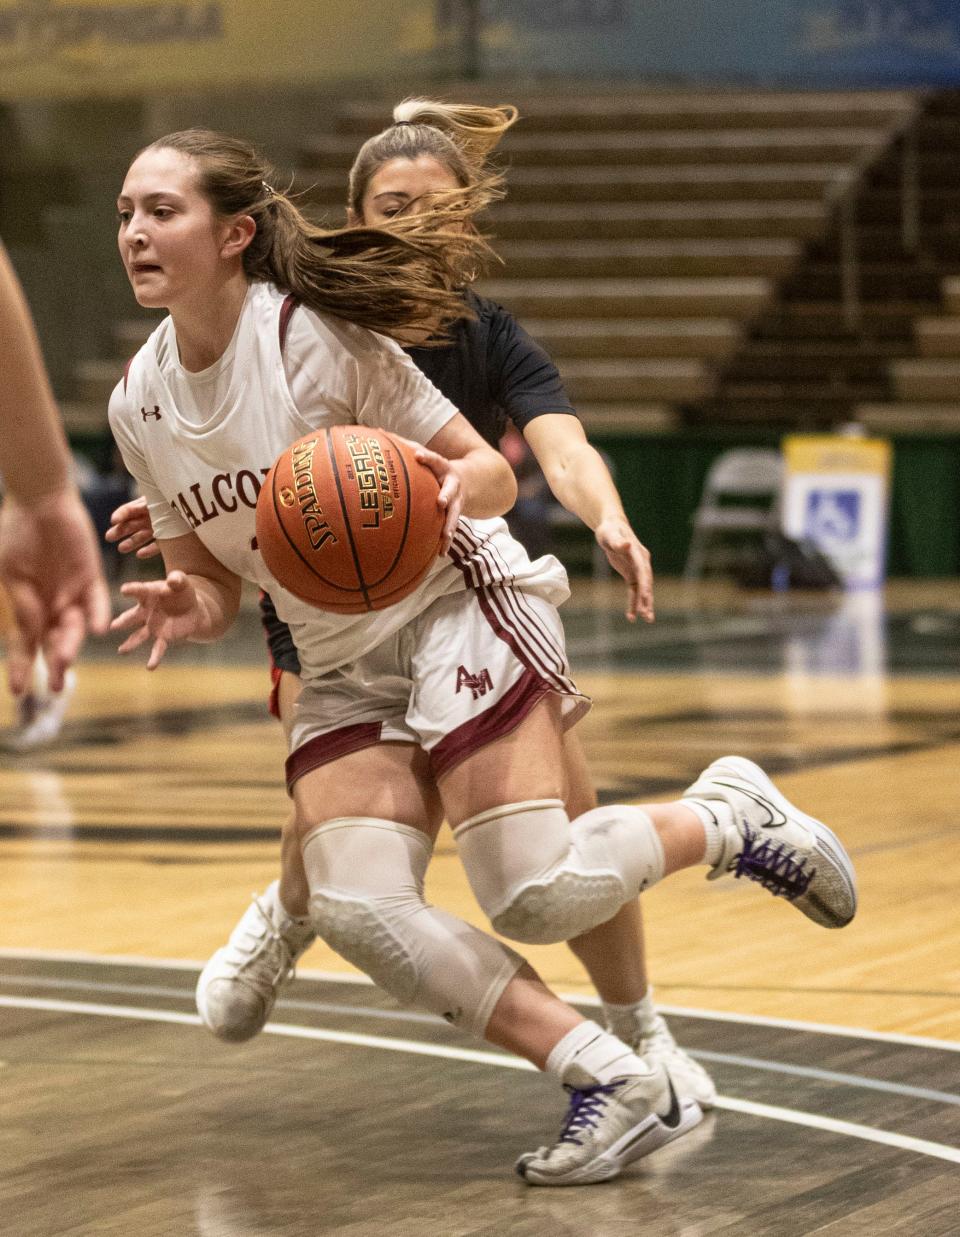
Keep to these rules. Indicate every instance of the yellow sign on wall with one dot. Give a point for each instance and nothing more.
(84, 48)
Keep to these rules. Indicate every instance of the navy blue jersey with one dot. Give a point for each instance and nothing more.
(495, 374)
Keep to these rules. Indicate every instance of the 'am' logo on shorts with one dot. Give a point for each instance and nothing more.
(479, 684)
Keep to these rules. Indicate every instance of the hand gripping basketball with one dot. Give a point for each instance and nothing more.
(349, 519)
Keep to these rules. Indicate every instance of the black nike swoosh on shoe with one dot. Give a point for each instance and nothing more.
(777, 817)
(672, 1118)
(520, 1168)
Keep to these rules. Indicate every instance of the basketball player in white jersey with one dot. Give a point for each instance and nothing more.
(496, 375)
(379, 728)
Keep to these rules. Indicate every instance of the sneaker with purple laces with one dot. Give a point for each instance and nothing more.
(609, 1126)
(239, 986)
(770, 841)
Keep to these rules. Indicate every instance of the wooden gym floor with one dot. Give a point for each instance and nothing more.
(130, 848)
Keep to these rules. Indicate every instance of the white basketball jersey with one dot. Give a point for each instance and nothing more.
(201, 465)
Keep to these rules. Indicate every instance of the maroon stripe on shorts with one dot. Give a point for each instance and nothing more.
(508, 613)
(330, 746)
(500, 719)
(511, 616)
(523, 637)
(520, 602)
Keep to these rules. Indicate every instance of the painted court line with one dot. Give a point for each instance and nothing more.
(820, 1028)
(61, 984)
(831, 1076)
(411, 1017)
(576, 998)
(789, 1116)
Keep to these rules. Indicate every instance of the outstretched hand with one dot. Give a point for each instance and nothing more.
(51, 568)
(166, 611)
(131, 529)
(631, 559)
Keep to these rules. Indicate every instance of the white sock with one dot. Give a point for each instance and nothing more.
(716, 818)
(588, 1056)
(627, 1022)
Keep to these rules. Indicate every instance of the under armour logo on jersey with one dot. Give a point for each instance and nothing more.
(155, 412)
(479, 684)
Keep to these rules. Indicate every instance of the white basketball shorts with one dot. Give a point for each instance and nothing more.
(466, 671)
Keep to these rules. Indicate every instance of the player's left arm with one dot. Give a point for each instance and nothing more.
(132, 529)
(581, 482)
(525, 382)
(474, 479)
(197, 601)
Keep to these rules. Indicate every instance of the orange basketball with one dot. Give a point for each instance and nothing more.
(347, 519)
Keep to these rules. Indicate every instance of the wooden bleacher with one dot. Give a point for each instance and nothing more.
(674, 250)
(648, 234)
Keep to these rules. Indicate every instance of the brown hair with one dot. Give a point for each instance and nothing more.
(458, 135)
(385, 279)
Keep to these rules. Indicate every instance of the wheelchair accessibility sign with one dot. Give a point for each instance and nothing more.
(835, 495)
(833, 516)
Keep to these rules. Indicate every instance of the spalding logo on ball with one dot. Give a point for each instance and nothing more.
(347, 519)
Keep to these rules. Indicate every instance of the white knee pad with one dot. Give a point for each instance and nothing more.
(542, 878)
(366, 901)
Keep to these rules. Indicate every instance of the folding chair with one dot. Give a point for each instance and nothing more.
(752, 473)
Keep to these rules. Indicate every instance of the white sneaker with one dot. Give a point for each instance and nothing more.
(791, 854)
(690, 1079)
(40, 713)
(610, 1126)
(238, 987)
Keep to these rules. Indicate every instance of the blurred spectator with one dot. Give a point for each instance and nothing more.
(529, 519)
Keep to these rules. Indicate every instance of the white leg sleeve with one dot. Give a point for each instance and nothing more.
(543, 878)
(366, 901)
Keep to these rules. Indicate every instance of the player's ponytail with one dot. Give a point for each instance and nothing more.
(476, 129)
(388, 280)
(460, 136)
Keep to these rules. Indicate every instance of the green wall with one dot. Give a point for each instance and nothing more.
(661, 477)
